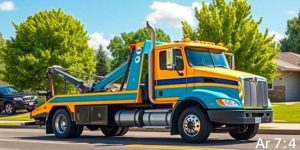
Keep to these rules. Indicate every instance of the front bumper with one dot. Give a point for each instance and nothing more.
(240, 116)
(25, 105)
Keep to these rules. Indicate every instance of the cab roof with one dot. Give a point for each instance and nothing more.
(189, 43)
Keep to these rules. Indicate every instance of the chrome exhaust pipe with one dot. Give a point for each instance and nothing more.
(151, 62)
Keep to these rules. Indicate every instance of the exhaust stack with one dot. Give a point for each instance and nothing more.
(151, 62)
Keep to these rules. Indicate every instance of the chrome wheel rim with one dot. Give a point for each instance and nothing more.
(60, 123)
(191, 125)
(8, 108)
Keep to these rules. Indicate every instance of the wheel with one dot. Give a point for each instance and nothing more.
(77, 131)
(30, 109)
(62, 125)
(93, 127)
(124, 130)
(9, 108)
(244, 132)
(194, 125)
(113, 130)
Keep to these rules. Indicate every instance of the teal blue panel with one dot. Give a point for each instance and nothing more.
(135, 68)
(147, 45)
(207, 94)
(110, 78)
(94, 98)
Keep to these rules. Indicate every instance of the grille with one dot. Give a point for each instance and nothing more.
(255, 93)
(28, 98)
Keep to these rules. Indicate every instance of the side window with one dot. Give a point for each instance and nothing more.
(163, 60)
(177, 57)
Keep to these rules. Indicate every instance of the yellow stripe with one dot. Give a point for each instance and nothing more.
(141, 146)
(166, 99)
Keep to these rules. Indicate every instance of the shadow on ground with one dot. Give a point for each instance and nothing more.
(126, 140)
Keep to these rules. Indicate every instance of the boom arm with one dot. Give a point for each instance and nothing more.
(58, 70)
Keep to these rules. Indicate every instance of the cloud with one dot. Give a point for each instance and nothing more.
(172, 14)
(292, 13)
(277, 37)
(96, 39)
(7, 6)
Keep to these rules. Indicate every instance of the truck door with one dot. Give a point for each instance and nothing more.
(170, 75)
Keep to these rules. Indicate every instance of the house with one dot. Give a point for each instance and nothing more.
(286, 87)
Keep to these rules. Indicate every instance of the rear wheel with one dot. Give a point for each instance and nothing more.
(62, 125)
(93, 127)
(77, 131)
(9, 108)
(194, 125)
(114, 130)
(244, 132)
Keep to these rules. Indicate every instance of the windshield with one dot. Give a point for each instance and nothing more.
(8, 90)
(208, 58)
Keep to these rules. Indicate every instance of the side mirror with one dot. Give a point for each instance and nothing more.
(230, 59)
(42, 93)
(170, 59)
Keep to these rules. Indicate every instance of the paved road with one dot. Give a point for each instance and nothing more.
(35, 139)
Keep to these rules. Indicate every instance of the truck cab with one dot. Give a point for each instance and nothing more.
(190, 87)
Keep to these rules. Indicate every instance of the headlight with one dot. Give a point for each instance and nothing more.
(34, 97)
(18, 98)
(227, 102)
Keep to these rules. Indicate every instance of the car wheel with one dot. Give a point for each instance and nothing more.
(194, 125)
(9, 108)
(113, 130)
(62, 125)
(244, 132)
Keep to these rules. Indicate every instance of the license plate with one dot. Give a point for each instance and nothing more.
(31, 103)
(257, 120)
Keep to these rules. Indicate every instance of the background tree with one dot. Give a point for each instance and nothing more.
(232, 24)
(119, 44)
(102, 66)
(2, 47)
(47, 38)
(292, 41)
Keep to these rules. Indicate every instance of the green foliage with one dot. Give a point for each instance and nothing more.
(119, 44)
(2, 47)
(232, 24)
(102, 67)
(47, 38)
(292, 42)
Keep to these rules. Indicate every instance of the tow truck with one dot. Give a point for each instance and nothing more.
(189, 87)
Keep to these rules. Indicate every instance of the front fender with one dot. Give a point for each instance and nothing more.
(207, 97)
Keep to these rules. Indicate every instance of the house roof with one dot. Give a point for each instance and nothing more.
(288, 61)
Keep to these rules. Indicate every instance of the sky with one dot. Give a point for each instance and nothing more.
(104, 19)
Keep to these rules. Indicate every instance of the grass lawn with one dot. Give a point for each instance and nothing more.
(22, 117)
(286, 112)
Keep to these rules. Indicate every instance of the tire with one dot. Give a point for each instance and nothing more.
(62, 125)
(113, 130)
(77, 131)
(245, 132)
(9, 108)
(30, 109)
(124, 130)
(93, 127)
(194, 125)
